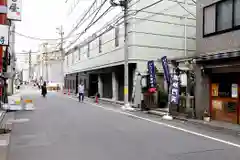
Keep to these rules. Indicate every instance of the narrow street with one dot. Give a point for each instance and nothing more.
(62, 128)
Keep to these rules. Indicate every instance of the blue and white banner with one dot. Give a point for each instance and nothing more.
(152, 74)
(175, 88)
(166, 69)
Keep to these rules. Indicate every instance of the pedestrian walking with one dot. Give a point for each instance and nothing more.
(81, 92)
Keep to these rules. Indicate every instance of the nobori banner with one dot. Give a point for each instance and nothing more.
(166, 69)
(175, 90)
(14, 11)
(152, 74)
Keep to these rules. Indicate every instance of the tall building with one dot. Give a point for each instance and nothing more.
(217, 71)
(154, 30)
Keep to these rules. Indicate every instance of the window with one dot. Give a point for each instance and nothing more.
(72, 57)
(88, 50)
(79, 53)
(67, 60)
(100, 44)
(209, 16)
(224, 15)
(116, 36)
(236, 12)
(220, 17)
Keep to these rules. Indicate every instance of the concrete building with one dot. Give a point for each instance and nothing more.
(166, 28)
(217, 70)
(48, 65)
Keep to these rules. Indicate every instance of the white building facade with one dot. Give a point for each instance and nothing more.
(48, 66)
(167, 28)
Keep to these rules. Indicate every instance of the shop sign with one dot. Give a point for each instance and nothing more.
(14, 10)
(175, 88)
(152, 76)
(4, 35)
(214, 89)
(166, 69)
(234, 91)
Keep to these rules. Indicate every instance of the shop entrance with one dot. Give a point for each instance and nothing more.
(224, 101)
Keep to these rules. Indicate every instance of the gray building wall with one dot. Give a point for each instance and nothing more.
(228, 41)
(219, 43)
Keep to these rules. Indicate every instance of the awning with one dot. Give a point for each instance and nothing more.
(218, 56)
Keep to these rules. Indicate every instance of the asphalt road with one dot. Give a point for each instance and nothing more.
(64, 129)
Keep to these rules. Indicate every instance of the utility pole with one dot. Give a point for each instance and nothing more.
(124, 5)
(30, 64)
(13, 57)
(62, 53)
(126, 102)
(46, 61)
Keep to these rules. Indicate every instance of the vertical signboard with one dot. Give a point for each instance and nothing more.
(152, 76)
(165, 69)
(175, 88)
(14, 11)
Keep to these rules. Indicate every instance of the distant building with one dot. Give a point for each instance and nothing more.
(48, 66)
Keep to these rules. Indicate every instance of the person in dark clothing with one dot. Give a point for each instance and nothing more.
(44, 89)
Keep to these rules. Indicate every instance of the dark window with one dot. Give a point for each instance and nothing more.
(224, 90)
(79, 53)
(85, 83)
(209, 16)
(116, 36)
(236, 12)
(100, 44)
(220, 17)
(224, 15)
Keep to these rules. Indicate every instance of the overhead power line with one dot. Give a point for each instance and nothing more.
(36, 38)
(89, 25)
(81, 20)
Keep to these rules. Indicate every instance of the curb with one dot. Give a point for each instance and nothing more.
(213, 127)
(201, 124)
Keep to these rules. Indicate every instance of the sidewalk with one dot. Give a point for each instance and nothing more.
(229, 128)
(6, 127)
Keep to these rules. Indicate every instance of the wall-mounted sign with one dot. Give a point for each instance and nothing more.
(217, 104)
(14, 10)
(214, 89)
(175, 90)
(4, 35)
(234, 91)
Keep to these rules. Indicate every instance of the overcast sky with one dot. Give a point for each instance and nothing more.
(40, 18)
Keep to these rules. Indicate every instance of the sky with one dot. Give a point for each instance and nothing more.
(40, 18)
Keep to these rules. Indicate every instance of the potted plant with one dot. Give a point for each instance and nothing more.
(206, 116)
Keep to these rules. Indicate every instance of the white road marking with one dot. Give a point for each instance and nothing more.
(164, 124)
